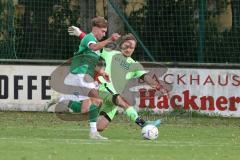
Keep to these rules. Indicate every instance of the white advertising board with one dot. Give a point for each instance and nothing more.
(214, 91)
(24, 87)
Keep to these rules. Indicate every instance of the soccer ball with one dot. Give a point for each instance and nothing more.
(150, 132)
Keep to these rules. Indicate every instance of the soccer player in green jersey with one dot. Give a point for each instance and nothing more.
(85, 59)
(87, 56)
(87, 107)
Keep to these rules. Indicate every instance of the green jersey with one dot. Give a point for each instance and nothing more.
(120, 69)
(85, 60)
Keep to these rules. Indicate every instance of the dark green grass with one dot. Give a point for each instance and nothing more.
(42, 136)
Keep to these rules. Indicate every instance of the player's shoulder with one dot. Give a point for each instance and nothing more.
(87, 39)
(89, 36)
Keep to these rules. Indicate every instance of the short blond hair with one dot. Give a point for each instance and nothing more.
(100, 22)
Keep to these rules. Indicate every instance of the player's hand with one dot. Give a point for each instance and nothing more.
(74, 31)
(115, 36)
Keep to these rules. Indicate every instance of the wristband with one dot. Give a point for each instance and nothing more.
(82, 35)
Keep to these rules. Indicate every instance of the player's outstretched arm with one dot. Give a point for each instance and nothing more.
(75, 31)
(100, 45)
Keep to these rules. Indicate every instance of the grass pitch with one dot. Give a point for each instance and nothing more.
(42, 136)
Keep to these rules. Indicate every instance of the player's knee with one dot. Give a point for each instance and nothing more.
(100, 127)
(102, 123)
(115, 98)
(97, 101)
(93, 93)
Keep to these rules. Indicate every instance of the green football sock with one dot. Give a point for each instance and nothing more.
(132, 114)
(93, 110)
(75, 106)
(93, 113)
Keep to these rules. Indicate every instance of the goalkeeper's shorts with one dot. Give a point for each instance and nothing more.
(108, 109)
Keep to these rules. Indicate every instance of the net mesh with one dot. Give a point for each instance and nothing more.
(171, 30)
(188, 30)
(37, 29)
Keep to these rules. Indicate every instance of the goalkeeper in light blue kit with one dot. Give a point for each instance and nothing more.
(126, 68)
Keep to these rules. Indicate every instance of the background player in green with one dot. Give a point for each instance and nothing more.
(84, 61)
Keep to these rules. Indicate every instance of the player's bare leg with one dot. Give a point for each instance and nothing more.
(89, 106)
(102, 123)
(86, 107)
(93, 93)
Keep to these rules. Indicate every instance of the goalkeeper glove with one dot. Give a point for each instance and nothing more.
(75, 31)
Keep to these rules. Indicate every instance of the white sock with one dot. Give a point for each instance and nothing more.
(93, 127)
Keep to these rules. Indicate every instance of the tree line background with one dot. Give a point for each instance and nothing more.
(170, 29)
